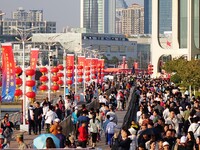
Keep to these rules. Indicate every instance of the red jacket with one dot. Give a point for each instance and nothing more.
(82, 134)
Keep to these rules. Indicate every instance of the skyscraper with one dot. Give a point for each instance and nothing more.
(165, 16)
(98, 15)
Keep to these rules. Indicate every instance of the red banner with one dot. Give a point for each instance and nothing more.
(88, 62)
(101, 63)
(8, 73)
(34, 57)
(70, 63)
(81, 61)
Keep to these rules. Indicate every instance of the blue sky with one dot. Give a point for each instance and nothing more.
(65, 13)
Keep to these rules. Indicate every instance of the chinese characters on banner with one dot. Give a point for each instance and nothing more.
(70, 62)
(101, 63)
(8, 73)
(81, 61)
(33, 62)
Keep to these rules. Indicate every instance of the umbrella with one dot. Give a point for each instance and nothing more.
(150, 131)
(40, 141)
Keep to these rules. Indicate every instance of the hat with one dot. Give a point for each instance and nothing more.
(132, 131)
(19, 135)
(183, 139)
(111, 118)
(165, 143)
(76, 108)
(1, 136)
(57, 120)
(180, 108)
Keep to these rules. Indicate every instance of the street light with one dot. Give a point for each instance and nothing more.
(24, 33)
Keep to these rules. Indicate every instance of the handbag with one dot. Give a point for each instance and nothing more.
(7, 132)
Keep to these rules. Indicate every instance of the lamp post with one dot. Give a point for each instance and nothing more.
(24, 33)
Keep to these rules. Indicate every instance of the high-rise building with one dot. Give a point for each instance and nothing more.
(147, 16)
(165, 16)
(120, 5)
(133, 20)
(26, 20)
(98, 15)
(32, 15)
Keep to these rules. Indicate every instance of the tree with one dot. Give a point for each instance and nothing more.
(105, 59)
(115, 60)
(130, 62)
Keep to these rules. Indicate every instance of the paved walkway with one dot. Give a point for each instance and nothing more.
(29, 138)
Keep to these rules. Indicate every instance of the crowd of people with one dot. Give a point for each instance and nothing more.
(167, 119)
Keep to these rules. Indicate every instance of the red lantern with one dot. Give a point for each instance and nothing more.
(0, 83)
(18, 81)
(87, 68)
(18, 92)
(80, 79)
(87, 79)
(87, 73)
(30, 72)
(94, 77)
(60, 82)
(99, 67)
(80, 73)
(30, 94)
(93, 72)
(69, 82)
(54, 70)
(94, 67)
(54, 87)
(79, 67)
(54, 78)
(43, 78)
(30, 83)
(18, 70)
(102, 75)
(60, 67)
(43, 87)
(43, 70)
(69, 75)
(60, 74)
(69, 67)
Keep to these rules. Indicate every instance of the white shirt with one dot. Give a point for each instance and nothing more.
(50, 116)
(110, 128)
(195, 128)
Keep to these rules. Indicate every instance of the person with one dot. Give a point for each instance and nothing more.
(104, 127)
(53, 128)
(38, 117)
(133, 137)
(61, 137)
(166, 145)
(31, 119)
(190, 140)
(20, 141)
(45, 108)
(74, 119)
(58, 111)
(124, 142)
(110, 129)
(49, 118)
(7, 129)
(94, 129)
(50, 143)
(3, 145)
(83, 135)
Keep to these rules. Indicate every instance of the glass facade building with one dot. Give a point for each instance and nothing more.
(98, 15)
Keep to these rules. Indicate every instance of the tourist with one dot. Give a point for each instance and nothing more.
(75, 119)
(83, 135)
(53, 128)
(49, 118)
(61, 137)
(58, 111)
(166, 146)
(50, 143)
(124, 142)
(110, 130)
(3, 145)
(45, 108)
(94, 126)
(38, 117)
(133, 138)
(20, 141)
(31, 119)
(190, 140)
(7, 129)
(104, 128)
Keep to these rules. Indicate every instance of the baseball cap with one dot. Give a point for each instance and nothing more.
(165, 143)
(57, 120)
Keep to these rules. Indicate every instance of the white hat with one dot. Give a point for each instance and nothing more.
(183, 139)
(57, 120)
(111, 118)
(76, 107)
(132, 131)
(165, 143)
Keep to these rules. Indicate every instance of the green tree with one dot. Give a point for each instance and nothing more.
(115, 60)
(105, 59)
